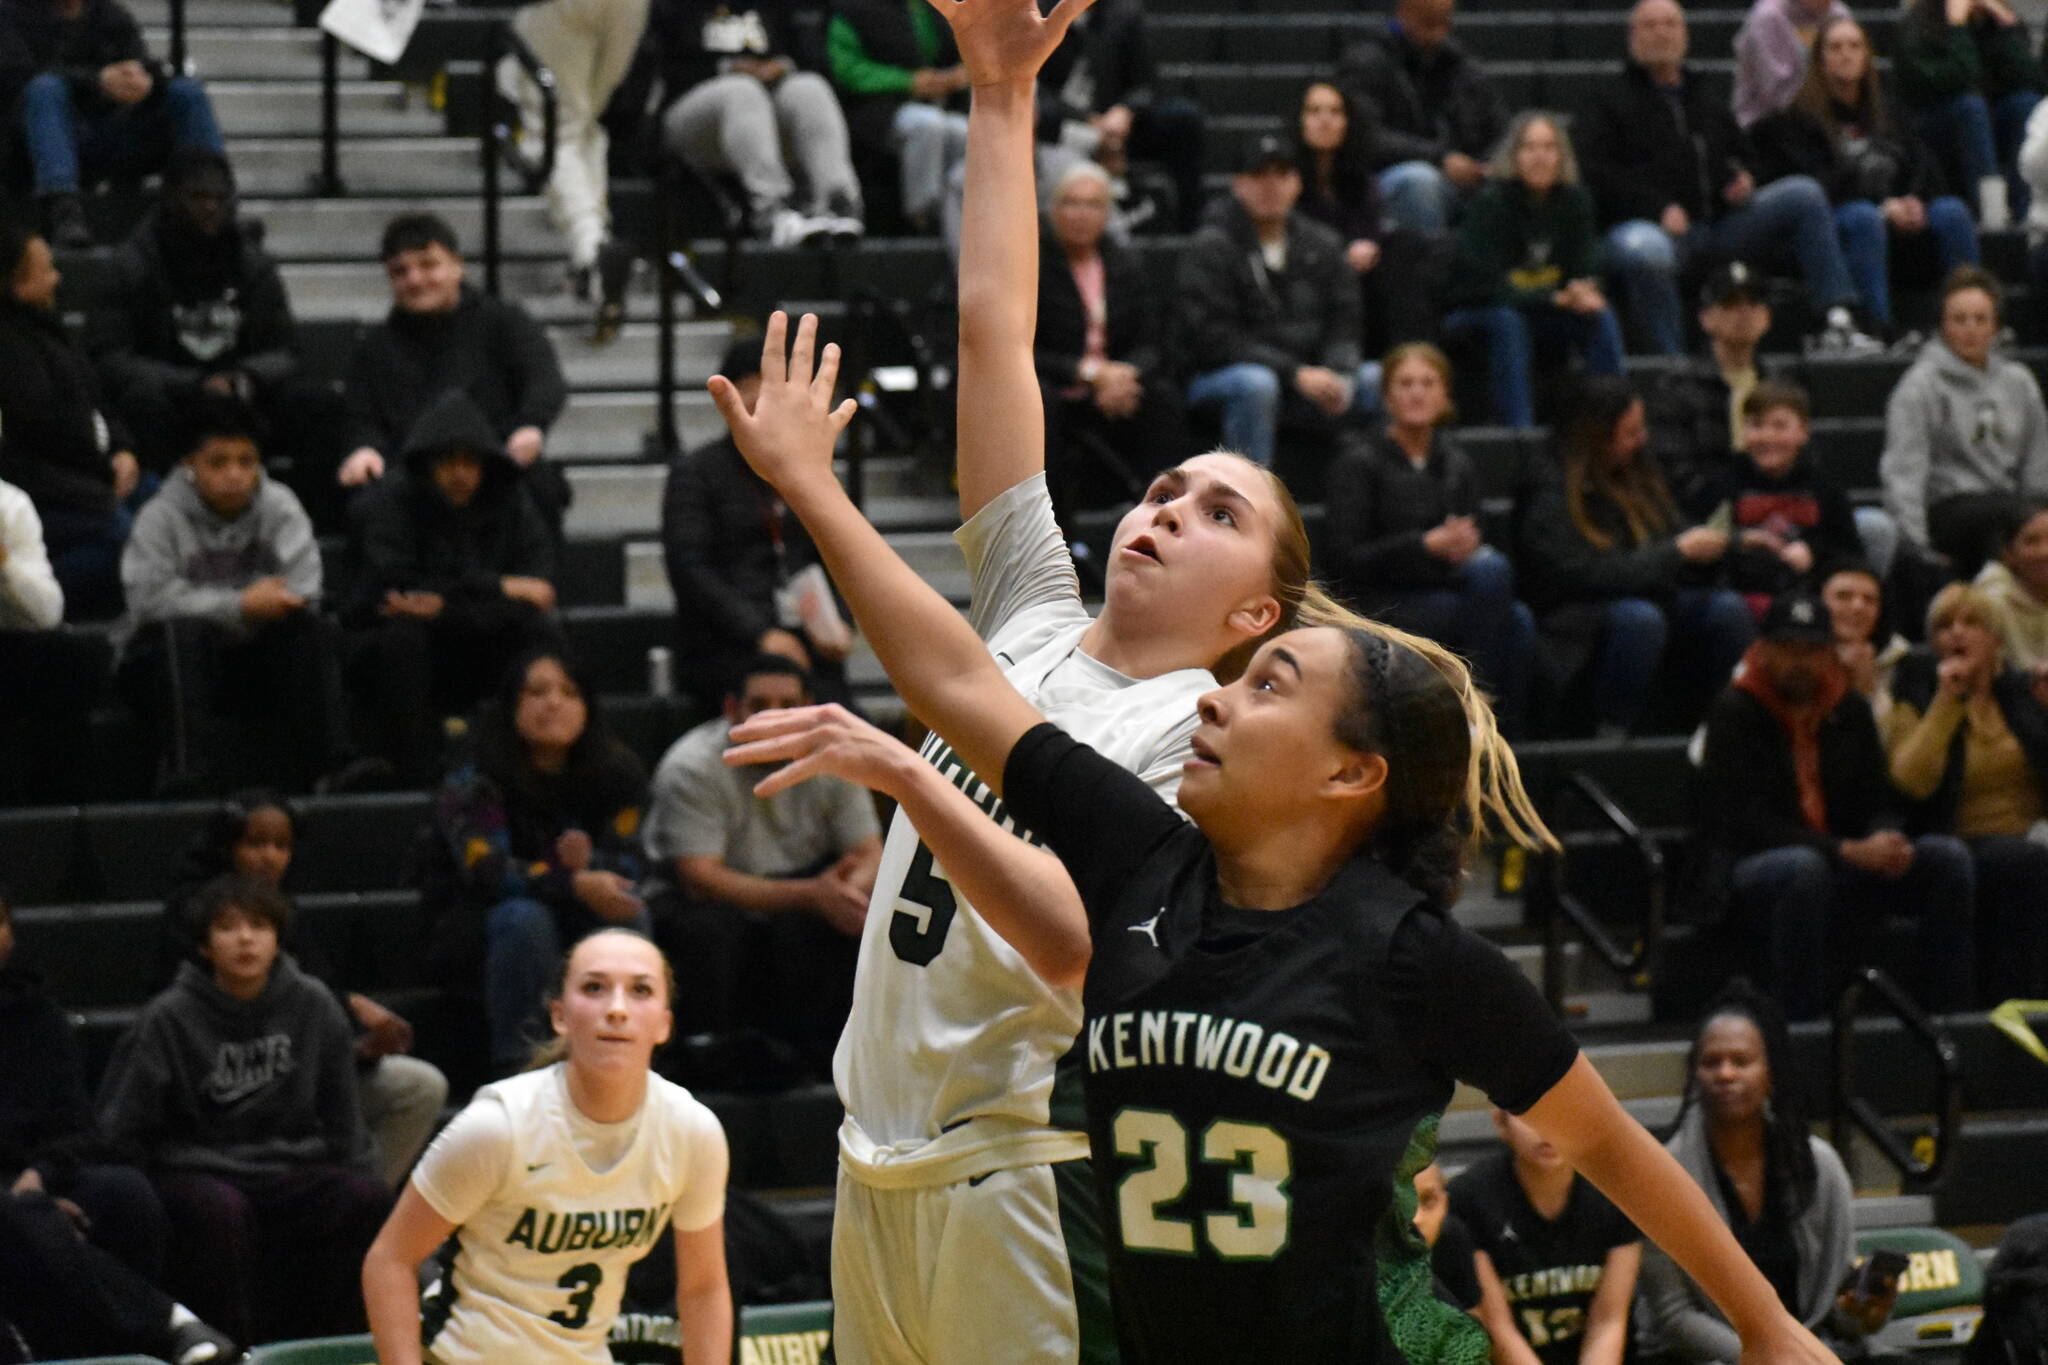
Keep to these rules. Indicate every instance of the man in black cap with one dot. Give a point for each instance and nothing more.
(1270, 313)
(1695, 407)
(733, 551)
(1798, 797)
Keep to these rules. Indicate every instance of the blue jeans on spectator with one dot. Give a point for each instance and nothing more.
(1249, 396)
(131, 140)
(1880, 537)
(1786, 217)
(1418, 196)
(1866, 245)
(1714, 624)
(1511, 335)
(523, 943)
(1786, 899)
(1976, 139)
(1481, 619)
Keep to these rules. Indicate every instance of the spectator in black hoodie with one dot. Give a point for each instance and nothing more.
(442, 334)
(1113, 414)
(1791, 524)
(1795, 788)
(80, 1245)
(453, 579)
(197, 308)
(237, 1087)
(57, 443)
(732, 549)
(1439, 117)
(94, 105)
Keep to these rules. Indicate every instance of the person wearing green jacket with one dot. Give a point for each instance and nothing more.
(1525, 266)
(1965, 71)
(898, 75)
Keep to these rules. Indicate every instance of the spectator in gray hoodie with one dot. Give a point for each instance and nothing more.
(237, 1091)
(1966, 436)
(228, 654)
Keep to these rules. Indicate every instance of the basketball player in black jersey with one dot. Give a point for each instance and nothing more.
(1276, 1000)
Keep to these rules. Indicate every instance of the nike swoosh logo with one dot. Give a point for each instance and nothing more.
(537, 1165)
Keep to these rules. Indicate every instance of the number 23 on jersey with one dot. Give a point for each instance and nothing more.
(1253, 1228)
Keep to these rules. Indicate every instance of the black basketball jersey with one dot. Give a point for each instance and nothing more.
(1252, 1078)
(1549, 1269)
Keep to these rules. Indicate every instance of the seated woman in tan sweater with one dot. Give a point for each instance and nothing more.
(1968, 738)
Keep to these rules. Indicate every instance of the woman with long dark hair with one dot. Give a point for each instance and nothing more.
(1886, 190)
(537, 836)
(1611, 568)
(1741, 1135)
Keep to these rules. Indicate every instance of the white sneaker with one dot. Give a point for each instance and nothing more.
(789, 228)
(1840, 337)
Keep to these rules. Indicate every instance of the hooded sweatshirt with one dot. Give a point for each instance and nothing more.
(410, 539)
(207, 1082)
(184, 559)
(1952, 428)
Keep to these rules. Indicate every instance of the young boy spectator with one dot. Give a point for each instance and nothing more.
(230, 657)
(1557, 1262)
(57, 444)
(454, 569)
(97, 107)
(237, 1087)
(1798, 796)
(732, 548)
(79, 1245)
(771, 893)
(1790, 522)
(441, 334)
(197, 310)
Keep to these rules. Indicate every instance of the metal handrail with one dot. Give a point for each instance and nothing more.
(1853, 1112)
(498, 138)
(177, 37)
(1555, 906)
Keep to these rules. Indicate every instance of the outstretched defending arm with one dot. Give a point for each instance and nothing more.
(1000, 434)
(939, 665)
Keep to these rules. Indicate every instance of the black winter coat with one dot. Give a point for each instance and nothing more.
(1638, 160)
(487, 348)
(44, 1109)
(1750, 793)
(36, 37)
(183, 308)
(1135, 329)
(720, 524)
(1378, 507)
(1891, 163)
(56, 441)
(408, 538)
(1428, 103)
(1110, 38)
(1914, 683)
(1234, 310)
(1687, 407)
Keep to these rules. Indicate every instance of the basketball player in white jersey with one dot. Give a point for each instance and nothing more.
(965, 1229)
(553, 1183)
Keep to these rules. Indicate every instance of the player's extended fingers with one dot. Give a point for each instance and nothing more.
(726, 397)
(842, 416)
(801, 352)
(1065, 13)
(769, 724)
(775, 348)
(828, 373)
(789, 774)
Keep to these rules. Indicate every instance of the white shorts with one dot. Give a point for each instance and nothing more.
(1006, 1267)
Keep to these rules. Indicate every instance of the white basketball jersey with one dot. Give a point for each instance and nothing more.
(539, 1266)
(946, 1064)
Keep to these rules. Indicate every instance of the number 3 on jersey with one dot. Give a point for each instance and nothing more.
(1255, 1228)
(917, 939)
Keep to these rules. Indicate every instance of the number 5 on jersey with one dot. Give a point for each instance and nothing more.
(1255, 1228)
(925, 910)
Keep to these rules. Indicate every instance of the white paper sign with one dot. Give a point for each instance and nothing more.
(378, 29)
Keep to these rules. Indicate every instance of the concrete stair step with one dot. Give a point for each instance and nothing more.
(266, 50)
(625, 500)
(281, 167)
(628, 361)
(614, 426)
(347, 230)
(292, 109)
